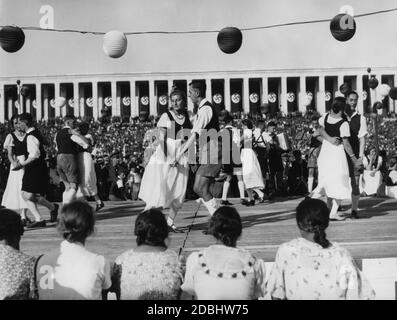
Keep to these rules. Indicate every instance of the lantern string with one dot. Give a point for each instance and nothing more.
(205, 31)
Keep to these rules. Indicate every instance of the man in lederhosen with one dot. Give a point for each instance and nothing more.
(35, 179)
(209, 149)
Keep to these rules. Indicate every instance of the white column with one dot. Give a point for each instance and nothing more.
(208, 93)
(302, 93)
(152, 99)
(226, 97)
(2, 106)
(321, 95)
(391, 101)
(82, 98)
(57, 94)
(359, 88)
(62, 93)
(76, 104)
(28, 104)
(10, 104)
(100, 98)
(95, 112)
(46, 102)
(265, 90)
(38, 102)
(283, 98)
(169, 84)
(134, 100)
(114, 97)
(190, 105)
(340, 80)
(118, 101)
(246, 94)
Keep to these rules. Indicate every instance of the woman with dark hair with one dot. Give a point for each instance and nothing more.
(16, 268)
(313, 268)
(71, 272)
(223, 271)
(15, 144)
(88, 181)
(164, 185)
(150, 271)
(372, 175)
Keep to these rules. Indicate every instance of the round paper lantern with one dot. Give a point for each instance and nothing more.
(343, 27)
(114, 43)
(265, 108)
(11, 38)
(52, 103)
(306, 101)
(309, 94)
(108, 101)
(25, 91)
(90, 102)
(34, 104)
(290, 97)
(328, 96)
(230, 39)
(393, 93)
(71, 102)
(60, 102)
(217, 98)
(344, 88)
(373, 82)
(384, 89)
(365, 95)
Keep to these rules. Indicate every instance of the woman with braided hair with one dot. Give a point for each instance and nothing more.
(313, 268)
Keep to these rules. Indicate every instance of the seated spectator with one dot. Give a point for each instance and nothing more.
(16, 268)
(223, 271)
(151, 271)
(311, 267)
(372, 176)
(71, 272)
(119, 190)
(391, 187)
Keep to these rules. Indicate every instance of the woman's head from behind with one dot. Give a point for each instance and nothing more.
(225, 225)
(312, 216)
(11, 228)
(83, 127)
(76, 221)
(151, 228)
(338, 105)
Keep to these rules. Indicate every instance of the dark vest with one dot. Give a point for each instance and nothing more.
(332, 130)
(35, 133)
(355, 124)
(214, 122)
(314, 143)
(64, 143)
(178, 127)
(20, 148)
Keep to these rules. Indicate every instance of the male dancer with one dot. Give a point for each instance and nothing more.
(35, 179)
(210, 152)
(67, 141)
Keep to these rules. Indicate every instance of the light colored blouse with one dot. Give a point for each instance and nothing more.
(304, 270)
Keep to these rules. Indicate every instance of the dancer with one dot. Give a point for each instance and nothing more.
(164, 185)
(15, 144)
(209, 149)
(315, 147)
(88, 182)
(333, 170)
(67, 141)
(35, 179)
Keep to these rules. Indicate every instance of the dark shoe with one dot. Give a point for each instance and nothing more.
(36, 224)
(99, 206)
(262, 200)
(26, 221)
(54, 213)
(251, 203)
(244, 202)
(226, 203)
(354, 215)
(175, 229)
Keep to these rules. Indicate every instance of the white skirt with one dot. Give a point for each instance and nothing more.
(252, 174)
(163, 185)
(12, 197)
(333, 172)
(88, 182)
(370, 185)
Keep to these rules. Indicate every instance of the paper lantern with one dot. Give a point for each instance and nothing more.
(108, 101)
(52, 103)
(11, 38)
(384, 89)
(365, 95)
(290, 97)
(373, 82)
(145, 100)
(34, 104)
(229, 39)
(328, 96)
(60, 102)
(114, 43)
(306, 101)
(71, 102)
(309, 94)
(126, 101)
(344, 89)
(393, 93)
(343, 27)
(25, 91)
(89, 102)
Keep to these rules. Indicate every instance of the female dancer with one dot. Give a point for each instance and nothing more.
(88, 182)
(164, 185)
(16, 146)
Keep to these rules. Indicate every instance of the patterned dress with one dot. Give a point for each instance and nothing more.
(16, 274)
(304, 270)
(148, 275)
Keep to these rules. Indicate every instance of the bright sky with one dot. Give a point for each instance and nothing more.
(305, 46)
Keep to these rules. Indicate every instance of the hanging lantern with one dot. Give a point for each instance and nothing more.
(393, 93)
(328, 96)
(34, 104)
(229, 39)
(163, 100)
(290, 97)
(365, 95)
(89, 102)
(272, 97)
(344, 89)
(71, 102)
(114, 44)
(309, 95)
(373, 82)
(384, 89)
(306, 101)
(126, 101)
(217, 98)
(145, 100)
(108, 101)
(254, 97)
(11, 38)
(60, 102)
(343, 27)
(52, 103)
(16, 104)
(25, 91)
(265, 108)
(236, 98)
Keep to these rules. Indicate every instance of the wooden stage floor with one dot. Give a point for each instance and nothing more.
(266, 226)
